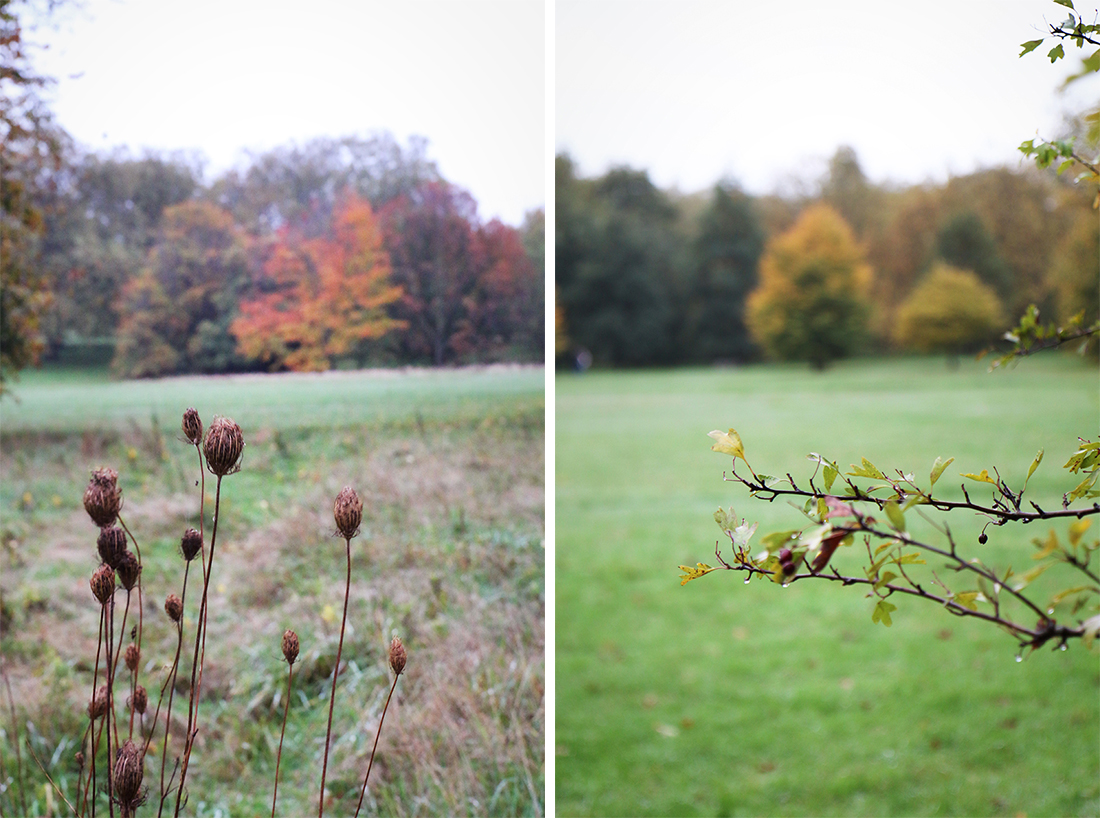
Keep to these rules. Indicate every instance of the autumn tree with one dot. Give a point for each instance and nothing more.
(32, 148)
(318, 298)
(430, 236)
(504, 309)
(176, 312)
(950, 311)
(811, 303)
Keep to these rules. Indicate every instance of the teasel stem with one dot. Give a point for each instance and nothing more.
(170, 683)
(335, 673)
(111, 722)
(377, 734)
(91, 718)
(290, 653)
(200, 651)
(141, 601)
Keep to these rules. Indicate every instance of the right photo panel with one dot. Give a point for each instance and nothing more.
(827, 409)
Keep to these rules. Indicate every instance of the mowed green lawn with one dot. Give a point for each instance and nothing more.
(450, 466)
(718, 698)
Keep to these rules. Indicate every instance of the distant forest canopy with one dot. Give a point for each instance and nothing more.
(338, 252)
(650, 277)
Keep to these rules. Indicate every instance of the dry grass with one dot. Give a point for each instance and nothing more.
(450, 559)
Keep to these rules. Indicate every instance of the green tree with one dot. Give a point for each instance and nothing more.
(951, 311)
(811, 304)
(99, 228)
(725, 254)
(619, 260)
(963, 242)
(176, 313)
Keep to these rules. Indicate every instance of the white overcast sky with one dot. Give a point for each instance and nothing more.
(224, 76)
(765, 92)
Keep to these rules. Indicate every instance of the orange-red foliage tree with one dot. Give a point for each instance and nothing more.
(316, 299)
(504, 306)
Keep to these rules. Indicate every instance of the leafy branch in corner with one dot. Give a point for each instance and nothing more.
(868, 506)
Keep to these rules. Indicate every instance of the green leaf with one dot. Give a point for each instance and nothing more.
(701, 570)
(939, 466)
(1066, 165)
(981, 478)
(866, 469)
(1034, 465)
(885, 579)
(1057, 52)
(897, 519)
(830, 475)
(882, 612)
(1084, 488)
(910, 559)
(1030, 46)
(968, 599)
(1067, 3)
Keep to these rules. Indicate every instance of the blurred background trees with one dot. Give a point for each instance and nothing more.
(653, 277)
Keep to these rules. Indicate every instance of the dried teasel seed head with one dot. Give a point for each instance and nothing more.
(97, 707)
(290, 647)
(348, 512)
(112, 545)
(192, 426)
(140, 700)
(173, 606)
(103, 497)
(191, 544)
(129, 569)
(133, 656)
(129, 771)
(397, 656)
(103, 583)
(223, 447)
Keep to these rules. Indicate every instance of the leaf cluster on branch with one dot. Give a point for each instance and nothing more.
(868, 506)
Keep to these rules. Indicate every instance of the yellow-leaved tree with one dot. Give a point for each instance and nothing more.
(811, 303)
(949, 311)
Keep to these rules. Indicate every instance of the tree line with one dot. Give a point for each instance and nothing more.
(339, 252)
(846, 267)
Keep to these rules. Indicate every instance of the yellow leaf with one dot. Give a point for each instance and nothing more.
(701, 570)
(727, 443)
(982, 478)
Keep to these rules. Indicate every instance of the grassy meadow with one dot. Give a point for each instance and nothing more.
(720, 698)
(451, 559)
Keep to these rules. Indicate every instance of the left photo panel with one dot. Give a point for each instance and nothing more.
(273, 408)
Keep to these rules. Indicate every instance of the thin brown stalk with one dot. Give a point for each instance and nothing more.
(49, 778)
(282, 733)
(199, 657)
(335, 673)
(377, 734)
(170, 683)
